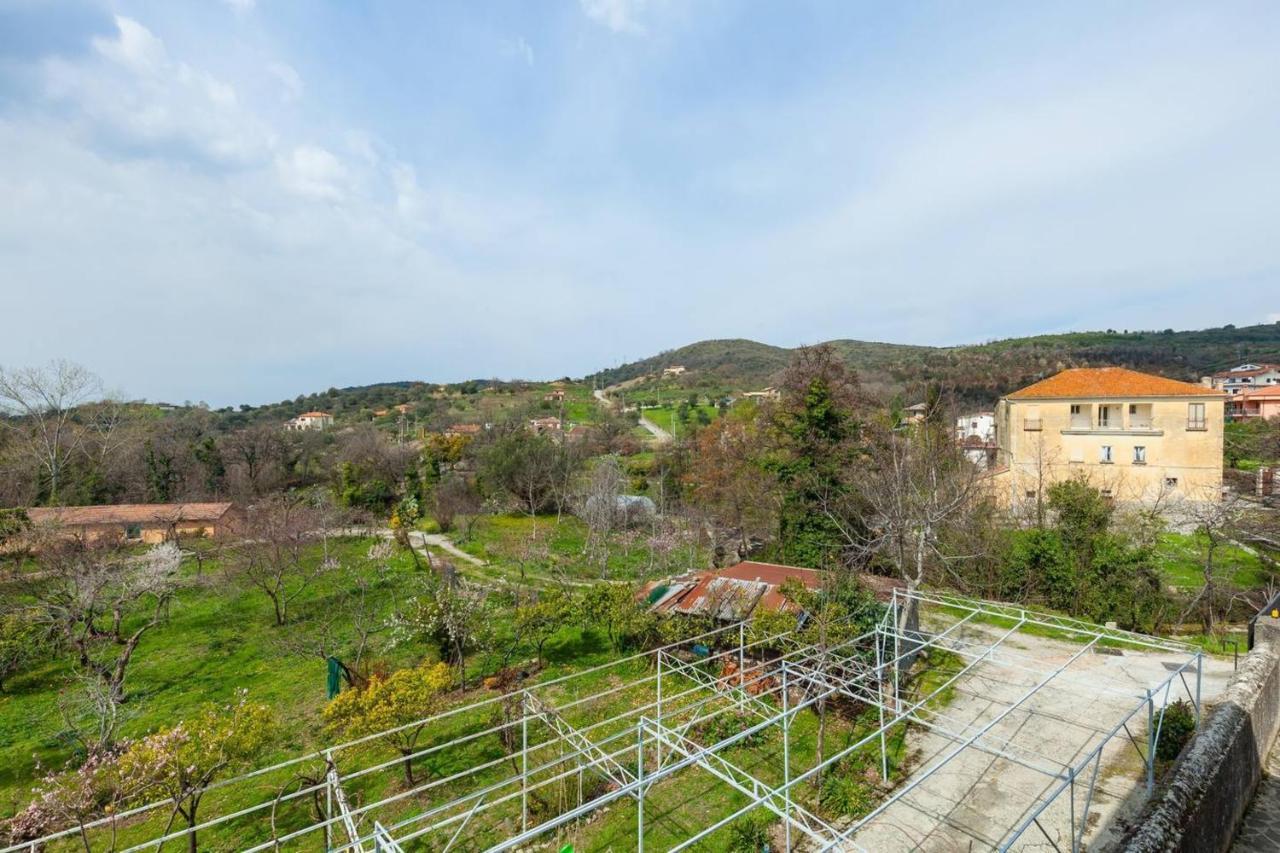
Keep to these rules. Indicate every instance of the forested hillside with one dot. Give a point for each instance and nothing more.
(976, 373)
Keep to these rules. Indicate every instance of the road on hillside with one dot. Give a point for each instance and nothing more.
(659, 434)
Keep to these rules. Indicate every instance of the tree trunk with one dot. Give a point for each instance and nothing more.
(408, 766)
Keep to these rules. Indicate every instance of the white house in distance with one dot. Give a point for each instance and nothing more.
(976, 433)
(1246, 377)
(673, 370)
(310, 420)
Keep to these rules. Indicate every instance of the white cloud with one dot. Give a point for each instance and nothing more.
(133, 97)
(291, 85)
(241, 7)
(621, 16)
(313, 172)
(134, 46)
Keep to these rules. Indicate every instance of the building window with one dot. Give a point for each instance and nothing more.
(1104, 455)
(1195, 416)
(1104, 416)
(133, 531)
(1031, 493)
(1106, 493)
(1171, 482)
(1139, 456)
(1075, 408)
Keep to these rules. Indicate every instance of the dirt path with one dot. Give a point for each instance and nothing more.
(439, 540)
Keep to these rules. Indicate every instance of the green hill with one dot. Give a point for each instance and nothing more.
(978, 373)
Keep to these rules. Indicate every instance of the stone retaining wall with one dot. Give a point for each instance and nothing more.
(1199, 807)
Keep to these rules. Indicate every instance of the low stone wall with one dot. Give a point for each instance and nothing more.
(1199, 807)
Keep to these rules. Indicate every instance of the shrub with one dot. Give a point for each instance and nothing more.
(846, 794)
(1177, 728)
(750, 833)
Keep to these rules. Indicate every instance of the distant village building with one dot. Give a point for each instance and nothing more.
(762, 394)
(146, 523)
(469, 430)
(1246, 377)
(1133, 435)
(976, 433)
(673, 370)
(914, 414)
(1259, 403)
(403, 408)
(309, 421)
(555, 395)
(543, 426)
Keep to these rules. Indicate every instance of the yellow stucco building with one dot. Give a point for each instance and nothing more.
(1137, 437)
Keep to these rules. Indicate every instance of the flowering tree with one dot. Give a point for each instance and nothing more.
(456, 617)
(182, 762)
(102, 602)
(397, 701)
(73, 798)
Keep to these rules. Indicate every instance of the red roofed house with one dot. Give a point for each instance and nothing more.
(310, 420)
(149, 523)
(1134, 435)
(1259, 403)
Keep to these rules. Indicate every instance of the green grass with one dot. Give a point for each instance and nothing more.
(1181, 558)
(665, 417)
(544, 550)
(220, 638)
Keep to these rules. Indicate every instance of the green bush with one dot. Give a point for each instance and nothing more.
(845, 793)
(1177, 728)
(750, 833)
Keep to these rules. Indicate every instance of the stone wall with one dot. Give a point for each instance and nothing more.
(1199, 807)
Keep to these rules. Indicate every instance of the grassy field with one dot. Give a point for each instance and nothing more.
(220, 638)
(665, 417)
(542, 550)
(1181, 559)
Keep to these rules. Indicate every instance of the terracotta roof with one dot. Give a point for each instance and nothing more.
(1085, 382)
(128, 513)
(315, 415)
(1265, 392)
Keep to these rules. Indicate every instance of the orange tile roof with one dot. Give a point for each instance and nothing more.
(1082, 382)
(128, 513)
(1266, 392)
(315, 415)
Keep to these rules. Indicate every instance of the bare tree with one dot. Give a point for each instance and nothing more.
(101, 602)
(918, 489)
(1218, 523)
(257, 454)
(39, 407)
(601, 510)
(274, 556)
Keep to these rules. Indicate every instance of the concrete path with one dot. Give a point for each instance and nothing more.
(977, 797)
(1260, 829)
(659, 434)
(439, 540)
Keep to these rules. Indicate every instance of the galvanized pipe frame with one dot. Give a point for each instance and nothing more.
(512, 780)
(916, 641)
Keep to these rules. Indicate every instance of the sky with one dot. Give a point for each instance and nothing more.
(245, 200)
